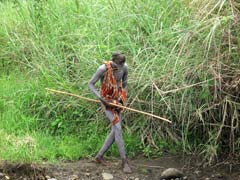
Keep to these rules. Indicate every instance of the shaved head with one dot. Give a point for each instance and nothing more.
(118, 57)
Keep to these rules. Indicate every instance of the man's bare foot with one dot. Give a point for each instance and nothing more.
(100, 160)
(126, 167)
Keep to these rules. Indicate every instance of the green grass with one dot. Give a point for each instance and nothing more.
(171, 47)
(21, 139)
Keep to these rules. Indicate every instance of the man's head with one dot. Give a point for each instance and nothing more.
(118, 58)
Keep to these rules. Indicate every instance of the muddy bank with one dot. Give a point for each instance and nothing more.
(143, 169)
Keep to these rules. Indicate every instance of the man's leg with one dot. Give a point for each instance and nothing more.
(108, 141)
(119, 139)
(120, 144)
(115, 134)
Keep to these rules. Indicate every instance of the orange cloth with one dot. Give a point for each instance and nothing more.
(112, 93)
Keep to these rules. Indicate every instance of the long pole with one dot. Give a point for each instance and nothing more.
(112, 104)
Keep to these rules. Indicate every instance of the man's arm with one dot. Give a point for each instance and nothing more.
(91, 84)
(125, 77)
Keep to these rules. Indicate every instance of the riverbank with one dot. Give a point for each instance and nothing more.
(143, 169)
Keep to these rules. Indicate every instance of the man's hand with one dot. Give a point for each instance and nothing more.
(105, 102)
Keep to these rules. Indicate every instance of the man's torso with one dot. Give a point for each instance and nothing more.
(118, 74)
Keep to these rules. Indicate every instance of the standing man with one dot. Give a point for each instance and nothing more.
(113, 77)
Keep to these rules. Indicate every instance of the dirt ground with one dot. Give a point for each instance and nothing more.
(143, 169)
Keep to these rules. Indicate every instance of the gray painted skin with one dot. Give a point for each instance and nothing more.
(120, 72)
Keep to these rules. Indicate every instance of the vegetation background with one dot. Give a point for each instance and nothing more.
(183, 59)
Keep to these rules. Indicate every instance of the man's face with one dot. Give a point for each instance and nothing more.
(119, 60)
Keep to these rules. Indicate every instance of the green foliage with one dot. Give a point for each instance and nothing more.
(183, 65)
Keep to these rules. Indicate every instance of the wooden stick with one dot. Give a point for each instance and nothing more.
(113, 104)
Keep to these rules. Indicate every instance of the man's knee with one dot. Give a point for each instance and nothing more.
(118, 128)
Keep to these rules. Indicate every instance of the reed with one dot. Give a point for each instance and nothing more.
(183, 59)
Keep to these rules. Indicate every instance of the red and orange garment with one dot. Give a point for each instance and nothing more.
(111, 93)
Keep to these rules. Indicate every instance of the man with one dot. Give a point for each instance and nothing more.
(113, 77)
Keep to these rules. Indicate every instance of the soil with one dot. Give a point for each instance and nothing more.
(143, 169)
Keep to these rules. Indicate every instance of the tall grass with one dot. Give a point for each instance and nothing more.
(183, 65)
